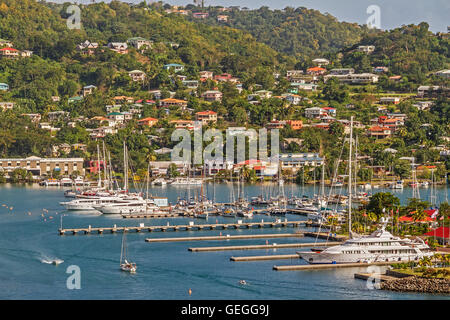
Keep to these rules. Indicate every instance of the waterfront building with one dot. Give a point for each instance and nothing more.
(43, 166)
(161, 167)
(298, 160)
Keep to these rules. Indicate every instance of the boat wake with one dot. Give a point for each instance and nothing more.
(50, 260)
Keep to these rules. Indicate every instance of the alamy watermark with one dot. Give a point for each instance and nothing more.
(374, 19)
(373, 282)
(236, 142)
(73, 21)
(74, 280)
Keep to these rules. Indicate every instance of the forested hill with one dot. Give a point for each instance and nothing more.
(294, 31)
(57, 68)
(41, 27)
(411, 50)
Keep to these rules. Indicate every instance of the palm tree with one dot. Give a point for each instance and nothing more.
(419, 215)
(425, 262)
(438, 258)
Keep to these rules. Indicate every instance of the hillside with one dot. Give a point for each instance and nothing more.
(298, 32)
(56, 68)
(412, 51)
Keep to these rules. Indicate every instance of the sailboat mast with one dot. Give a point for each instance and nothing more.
(323, 179)
(125, 167)
(99, 172)
(350, 180)
(105, 168)
(121, 250)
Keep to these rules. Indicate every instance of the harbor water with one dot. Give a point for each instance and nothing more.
(30, 217)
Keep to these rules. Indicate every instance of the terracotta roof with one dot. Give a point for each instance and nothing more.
(148, 119)
(173, 100)
(208, 112)
(316, 69)
(378, 128)
(9, 49)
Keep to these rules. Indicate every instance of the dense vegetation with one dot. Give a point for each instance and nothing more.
(299, 32)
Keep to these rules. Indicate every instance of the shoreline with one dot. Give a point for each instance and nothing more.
(417, 284)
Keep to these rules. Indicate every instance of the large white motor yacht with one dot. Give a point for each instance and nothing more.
(381, 245)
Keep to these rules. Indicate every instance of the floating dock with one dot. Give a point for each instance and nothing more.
(330, 266)
(263, 246)
(189, 227)
(151, 215)
(227, 237)
(263, 258)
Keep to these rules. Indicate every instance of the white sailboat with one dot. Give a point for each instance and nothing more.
(125, 265)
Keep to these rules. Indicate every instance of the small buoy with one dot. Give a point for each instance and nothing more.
(190, 291)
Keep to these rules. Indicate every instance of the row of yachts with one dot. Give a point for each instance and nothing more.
(108, 202)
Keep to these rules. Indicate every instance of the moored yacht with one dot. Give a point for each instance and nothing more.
(186, 181)
(87, 203)
(379, 246)
(397, 185)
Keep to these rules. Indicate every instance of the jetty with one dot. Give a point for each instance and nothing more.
(268, 257)
(264, 246)
(151, 215)
(330, 266)
(227, 237)
(189, 227)
(377, 276)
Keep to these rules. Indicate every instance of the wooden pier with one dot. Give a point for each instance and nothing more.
(329, 266)
(268, 257)
(150, 215)
(227, 237)
(263, 246)
(189, 227)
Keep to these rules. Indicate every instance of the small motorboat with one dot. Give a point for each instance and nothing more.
(70, 194)
(243, 282)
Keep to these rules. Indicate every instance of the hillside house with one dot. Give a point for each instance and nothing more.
(137, 75)
(212, 95)
(175, 67)
(87, 90)
(87, 47)
(206, 117)
(119, 47)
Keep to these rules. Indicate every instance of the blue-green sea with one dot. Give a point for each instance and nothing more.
(31, 215)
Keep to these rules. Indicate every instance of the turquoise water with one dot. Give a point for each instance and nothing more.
(28, 236)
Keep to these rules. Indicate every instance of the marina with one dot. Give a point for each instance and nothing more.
(37, 220)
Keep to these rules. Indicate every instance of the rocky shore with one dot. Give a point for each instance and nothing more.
(418, 284)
